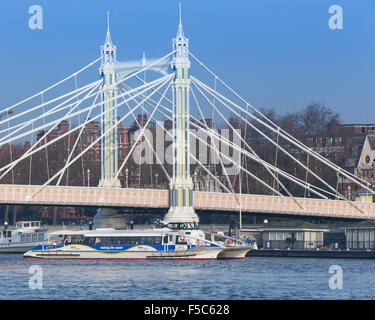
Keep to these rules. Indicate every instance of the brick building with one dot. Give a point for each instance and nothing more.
(343, 144)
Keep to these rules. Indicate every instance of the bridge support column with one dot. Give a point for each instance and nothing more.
(6, 214)
(54, 215)
(105, 217)
(181, 187)
(15, 211)
(109, 218)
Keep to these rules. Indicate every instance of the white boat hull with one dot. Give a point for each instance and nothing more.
(236, 252)
(85, 252)
(17, 247)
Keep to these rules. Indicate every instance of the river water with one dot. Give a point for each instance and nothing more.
(251, 278)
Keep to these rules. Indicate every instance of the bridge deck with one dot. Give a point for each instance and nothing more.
(153, 198)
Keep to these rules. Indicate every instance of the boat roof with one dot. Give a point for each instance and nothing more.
(126, 233)
(27, 221)
(30, 230)
(68, 232)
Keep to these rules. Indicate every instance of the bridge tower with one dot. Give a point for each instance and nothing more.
(181, 186)
(109, 151)
(107, 217)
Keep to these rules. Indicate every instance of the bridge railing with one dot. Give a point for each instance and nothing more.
(283, 205)
(93, 196)
(155, 198)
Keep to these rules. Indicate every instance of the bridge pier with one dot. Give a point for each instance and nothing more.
(15, 211)
(109, 218)
(54, 215)
(6, 214)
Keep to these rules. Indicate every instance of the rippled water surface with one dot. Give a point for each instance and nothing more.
(252, 278)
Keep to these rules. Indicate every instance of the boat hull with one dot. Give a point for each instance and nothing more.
(238, 252)
(17, 248)
(85, 252)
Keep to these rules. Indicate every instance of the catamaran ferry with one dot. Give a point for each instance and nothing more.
(176, 241)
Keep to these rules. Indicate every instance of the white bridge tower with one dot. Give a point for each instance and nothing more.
(181, 186)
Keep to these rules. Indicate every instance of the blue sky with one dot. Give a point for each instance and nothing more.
(278, 54)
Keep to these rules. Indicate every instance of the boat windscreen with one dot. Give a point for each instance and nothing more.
(150, 240)
(183, 226)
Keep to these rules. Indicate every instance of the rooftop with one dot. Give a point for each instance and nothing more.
(371, 140)
(293, 226)
(361, 225)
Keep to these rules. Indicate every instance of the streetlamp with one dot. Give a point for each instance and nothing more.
(156, 180)
(195, 180)
(127, 177)
(349, 195)
(88, 177)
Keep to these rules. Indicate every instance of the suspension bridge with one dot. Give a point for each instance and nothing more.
(162, 88)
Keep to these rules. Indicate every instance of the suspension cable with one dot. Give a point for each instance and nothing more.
(144, 127)
(80, 138)
(54, 85)
(10, 152)
(285, 134)
(307, 173)
(87, 120)
(168, 77)
(30, 151)
(149, 143)
(209, 90)
(248, 146)
(44, 135)
(141, 89)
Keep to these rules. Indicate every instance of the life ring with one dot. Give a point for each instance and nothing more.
(182, 238)
(228, 241)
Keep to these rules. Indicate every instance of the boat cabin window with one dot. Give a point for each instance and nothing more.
(41, 236)
(19, 225)
(28, 238)
(123, 240)
(35, 236)
(22, 238)
(26, 224)
(165, 240)
(183, 226)
(7, 234)
(73, 239)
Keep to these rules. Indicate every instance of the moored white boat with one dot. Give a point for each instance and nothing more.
(235, 252)
(24, 237)
(232, 248)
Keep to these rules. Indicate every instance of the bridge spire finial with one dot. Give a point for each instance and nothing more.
(180, 32)
(144, 61)
(108, 37)
(179, 5)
